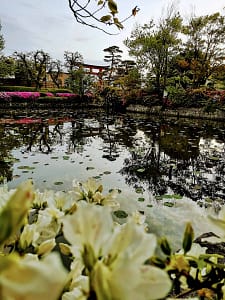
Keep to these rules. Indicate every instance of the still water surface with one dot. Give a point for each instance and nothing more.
(151, 160)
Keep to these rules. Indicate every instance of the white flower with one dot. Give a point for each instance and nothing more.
(28, 278)
(89, 228)
(130, 241)
(145, 282)
(28, 235)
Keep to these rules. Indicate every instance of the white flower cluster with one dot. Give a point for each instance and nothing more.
(105, 260)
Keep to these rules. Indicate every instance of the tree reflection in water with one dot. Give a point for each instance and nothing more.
(161, 156)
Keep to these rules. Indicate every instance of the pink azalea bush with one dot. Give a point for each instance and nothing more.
(68, 95)
(4, 96)
(21, 95)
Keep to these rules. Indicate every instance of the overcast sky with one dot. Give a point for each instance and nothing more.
(49, 25)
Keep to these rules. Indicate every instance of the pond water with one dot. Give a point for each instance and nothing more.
(153, 161)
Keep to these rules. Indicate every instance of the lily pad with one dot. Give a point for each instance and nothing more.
(120, 214)
(169, 204)
(58, 183)
(141, 199)
(66, 157)
(107, 172)
(139, 190)
(25, 168)
(90, 168)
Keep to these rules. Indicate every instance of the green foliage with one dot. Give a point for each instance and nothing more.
(7, 66)
(2, 42)
(7, 88)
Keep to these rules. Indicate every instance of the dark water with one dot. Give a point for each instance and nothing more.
(149, 157)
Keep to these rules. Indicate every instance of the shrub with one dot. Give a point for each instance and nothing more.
(17, 88)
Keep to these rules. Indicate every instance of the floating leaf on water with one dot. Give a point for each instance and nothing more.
(90, 168)
(97, 177)
(166, 196)
(58, 183)
(149, 205)
(46, 164)
(25, 168)
(158, 197)
(66, 157)
(16, 176)
(120, 214)
(35, 162)
(139, 190)
(208, 200)
(107, 172)
(215, 158)
(177, 196)
(141, 199)
(169, 204)
(141, 170)
(81, 162)
(118, 190)
(54, 157)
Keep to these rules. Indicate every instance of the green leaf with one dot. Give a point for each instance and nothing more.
(58, 183)
(90, 168)
(117, 23)
(120, 214)
(112, 6)
(66, 157)
(26, 168)
(139, 190)
(141, 199)
(168, 204)
(105, 19)
(107, 172)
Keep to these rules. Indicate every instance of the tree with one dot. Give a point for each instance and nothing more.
(2, 42)
(114, 58)
(32, 66)
(73, 64)
(54, 70)
(98, 13)
(204, 48)
(7, 66)
(153, 46)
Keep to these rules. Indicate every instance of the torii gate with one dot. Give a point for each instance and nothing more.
(95, 70)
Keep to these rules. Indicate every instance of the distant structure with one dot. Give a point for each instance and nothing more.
(96, 70)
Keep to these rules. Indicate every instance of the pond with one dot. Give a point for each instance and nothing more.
(155, 162)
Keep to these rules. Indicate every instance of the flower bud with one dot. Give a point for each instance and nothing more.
(188, 238)
(165, 247)
(13, 215)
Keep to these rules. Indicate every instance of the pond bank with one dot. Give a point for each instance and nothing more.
(195, 113)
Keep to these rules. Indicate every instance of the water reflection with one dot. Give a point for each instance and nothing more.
(155, 156)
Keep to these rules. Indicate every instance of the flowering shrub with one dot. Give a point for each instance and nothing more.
(21, 95)
(67, 95)
(105, 260)
(4, 96)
